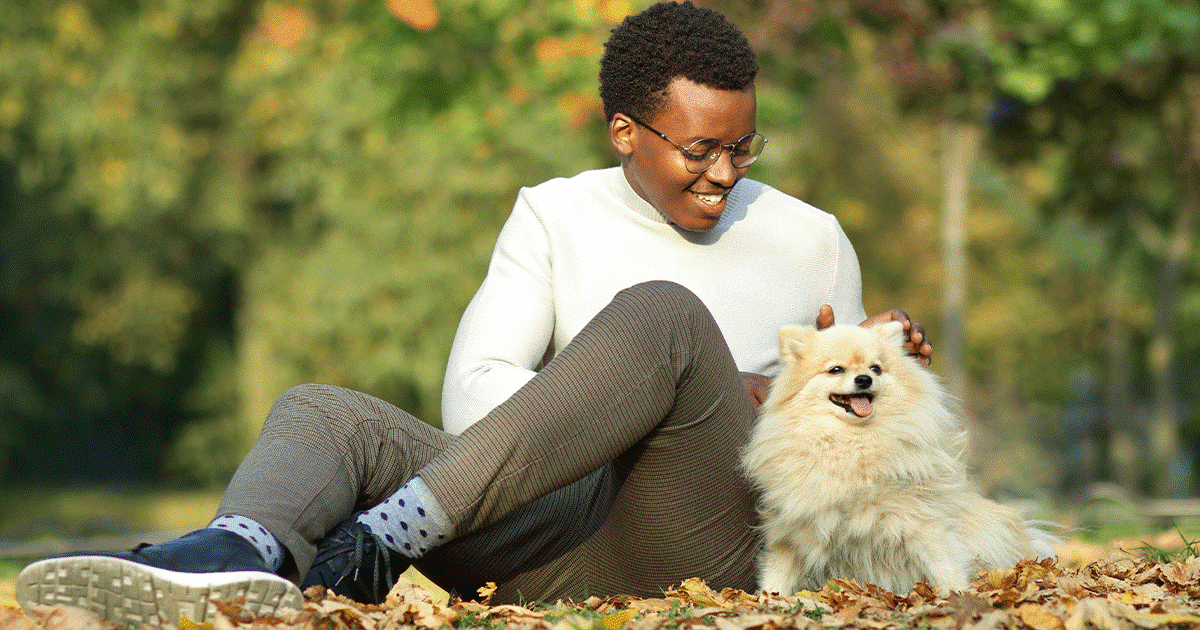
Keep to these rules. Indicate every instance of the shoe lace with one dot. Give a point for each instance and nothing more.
(360, 536)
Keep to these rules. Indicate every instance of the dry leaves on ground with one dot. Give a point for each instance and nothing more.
(1127, 593)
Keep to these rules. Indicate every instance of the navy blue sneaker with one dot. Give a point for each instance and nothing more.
(353, 562)
(158, 585)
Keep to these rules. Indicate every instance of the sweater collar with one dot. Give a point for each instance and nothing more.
(632, 200)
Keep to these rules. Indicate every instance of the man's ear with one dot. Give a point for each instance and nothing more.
(621, 133)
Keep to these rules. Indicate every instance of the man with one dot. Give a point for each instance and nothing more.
(652, 293)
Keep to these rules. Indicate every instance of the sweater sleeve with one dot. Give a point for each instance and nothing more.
(506, 329)
(845, 294)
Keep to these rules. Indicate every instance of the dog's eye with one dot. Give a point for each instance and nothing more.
(837, 369)
(876, 369)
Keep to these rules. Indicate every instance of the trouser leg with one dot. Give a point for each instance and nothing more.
(650, 387)
(646, 399)
(324, 453)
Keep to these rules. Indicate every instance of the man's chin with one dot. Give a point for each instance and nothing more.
(700, 224)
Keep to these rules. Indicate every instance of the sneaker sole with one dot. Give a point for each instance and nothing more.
(126, 592)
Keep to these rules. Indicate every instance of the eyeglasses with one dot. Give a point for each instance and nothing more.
(705, 152)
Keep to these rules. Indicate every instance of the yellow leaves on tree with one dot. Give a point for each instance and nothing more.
(285, 26)
(419, 14)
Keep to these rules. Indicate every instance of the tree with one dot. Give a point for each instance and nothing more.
(1111, 93)
(220, 199)
(988, 68)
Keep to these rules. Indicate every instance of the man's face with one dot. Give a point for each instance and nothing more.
(656, 168)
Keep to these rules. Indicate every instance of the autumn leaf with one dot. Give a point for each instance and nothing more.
(1037, 617)
(1120, 594)
(617, 620)
(1093, 613)
(188, 624)
(419, 14)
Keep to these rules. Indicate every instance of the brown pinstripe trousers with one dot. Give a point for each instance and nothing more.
(614, 470)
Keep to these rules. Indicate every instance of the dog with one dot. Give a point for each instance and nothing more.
(857, 457)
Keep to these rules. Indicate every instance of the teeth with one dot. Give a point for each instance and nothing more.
(711, 200)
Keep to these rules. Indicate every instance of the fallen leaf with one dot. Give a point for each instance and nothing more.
(966, 607)
(188, 624)
(1094, 613)
(13, 619)
(617, 620)
(994, 620)
(60, 617)
(485, 592)
(1149, 620)
(1037, 617)
(694, 591)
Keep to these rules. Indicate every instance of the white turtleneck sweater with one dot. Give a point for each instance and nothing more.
(571, 244)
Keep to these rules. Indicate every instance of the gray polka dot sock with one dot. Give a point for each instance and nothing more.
(410, 522)
(264, 541)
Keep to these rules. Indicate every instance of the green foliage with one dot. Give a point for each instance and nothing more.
(232, 197)
(1087, 174)
(204, 203)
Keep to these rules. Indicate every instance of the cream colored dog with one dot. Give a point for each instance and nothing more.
(858, 459)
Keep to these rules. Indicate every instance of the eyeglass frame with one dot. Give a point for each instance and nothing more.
(688, 155)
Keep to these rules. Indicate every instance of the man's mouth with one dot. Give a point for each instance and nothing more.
(857, 404)
(710, 199)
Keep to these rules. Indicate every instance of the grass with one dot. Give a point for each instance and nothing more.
(1190, 549)
(27, 513)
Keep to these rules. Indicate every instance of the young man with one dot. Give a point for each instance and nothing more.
(652, 293)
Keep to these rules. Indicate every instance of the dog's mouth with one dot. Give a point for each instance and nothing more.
(857, 404)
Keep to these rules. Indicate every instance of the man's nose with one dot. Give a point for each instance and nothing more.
(722, 171)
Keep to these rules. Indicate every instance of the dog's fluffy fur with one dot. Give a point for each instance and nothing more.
(859, 462)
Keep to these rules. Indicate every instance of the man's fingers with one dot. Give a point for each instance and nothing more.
(921, 350)
(825, 317)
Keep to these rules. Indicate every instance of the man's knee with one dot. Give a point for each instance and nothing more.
(662, 295)
(308, 403)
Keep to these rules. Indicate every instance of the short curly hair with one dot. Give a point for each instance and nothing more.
(668, 40)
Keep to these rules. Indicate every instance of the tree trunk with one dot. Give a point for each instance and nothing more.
(1172, 479)
(256, 387)
(1124, 452)
(960, 141)
(1169, 480)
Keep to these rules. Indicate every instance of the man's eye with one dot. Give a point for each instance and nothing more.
(702, 150)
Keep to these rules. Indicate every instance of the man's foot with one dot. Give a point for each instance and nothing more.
(159, 584)
(352, 561)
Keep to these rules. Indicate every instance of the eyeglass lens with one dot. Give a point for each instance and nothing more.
(702, 154)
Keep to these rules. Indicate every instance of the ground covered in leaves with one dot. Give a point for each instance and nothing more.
(1118, 593)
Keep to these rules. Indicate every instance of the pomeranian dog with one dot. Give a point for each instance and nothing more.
(858, 459)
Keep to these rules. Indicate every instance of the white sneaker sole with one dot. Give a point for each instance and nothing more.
(126, 592)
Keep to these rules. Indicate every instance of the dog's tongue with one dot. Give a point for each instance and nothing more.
(860, 405)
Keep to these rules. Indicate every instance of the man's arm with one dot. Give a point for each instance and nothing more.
(507, 327)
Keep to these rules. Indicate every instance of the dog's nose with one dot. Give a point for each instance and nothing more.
(862, 381)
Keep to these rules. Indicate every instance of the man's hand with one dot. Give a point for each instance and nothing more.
(757, 386)
(917, 344)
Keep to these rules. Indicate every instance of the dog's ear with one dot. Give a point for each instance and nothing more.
(892, 333)
(793, 340)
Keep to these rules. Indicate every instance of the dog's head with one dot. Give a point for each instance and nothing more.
(841, 370)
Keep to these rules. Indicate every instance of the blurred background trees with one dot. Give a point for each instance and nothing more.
(203, 203)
